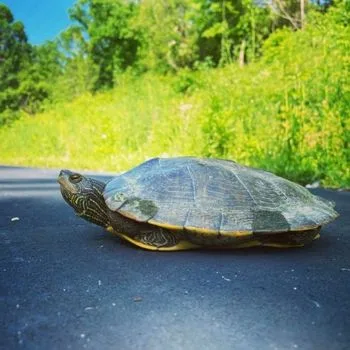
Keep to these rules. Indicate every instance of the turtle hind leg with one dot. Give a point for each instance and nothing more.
(158, 239)
(291, 239)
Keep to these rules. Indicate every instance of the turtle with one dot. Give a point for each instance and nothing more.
(180, 203)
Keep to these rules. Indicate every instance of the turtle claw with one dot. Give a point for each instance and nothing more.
(81, 213)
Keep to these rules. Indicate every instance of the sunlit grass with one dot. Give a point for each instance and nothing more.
(108, 131)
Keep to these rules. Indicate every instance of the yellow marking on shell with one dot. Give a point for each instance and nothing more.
(205, 231)
(215, 232)
(128, 215)
(201, 230)
(237, 233)
(165, 225)
(304, 228)
(298, 229)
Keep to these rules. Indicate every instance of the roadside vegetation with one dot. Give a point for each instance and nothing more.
(129, 81)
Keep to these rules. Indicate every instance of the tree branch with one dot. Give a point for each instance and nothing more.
(281, 11)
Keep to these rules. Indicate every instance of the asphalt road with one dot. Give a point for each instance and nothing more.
(67, 284)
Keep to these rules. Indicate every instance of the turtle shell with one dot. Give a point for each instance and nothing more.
(214, 196)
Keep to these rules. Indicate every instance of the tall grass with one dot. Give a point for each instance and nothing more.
(288, 113)
(140, 119)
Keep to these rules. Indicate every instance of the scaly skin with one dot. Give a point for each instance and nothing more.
(85, 195)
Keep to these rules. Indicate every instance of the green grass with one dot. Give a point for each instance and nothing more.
(108, 131)
(287, 113)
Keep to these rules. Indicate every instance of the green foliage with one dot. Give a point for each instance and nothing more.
(26, 73)
(80, 73)
(14, 51)
(164, 36)
(8, 116)
(254, 26)
(176, 34)
(112, 45)
(185, 81)
(290, 112)
(79, 76)
(168, 35)
(38, 74)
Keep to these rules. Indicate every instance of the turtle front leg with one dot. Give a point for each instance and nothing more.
(157, 239)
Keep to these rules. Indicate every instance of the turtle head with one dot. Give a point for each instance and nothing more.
(85, 195)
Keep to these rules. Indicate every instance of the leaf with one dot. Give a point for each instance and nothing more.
(216, 29)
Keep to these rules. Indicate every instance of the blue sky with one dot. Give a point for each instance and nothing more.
(43, 19)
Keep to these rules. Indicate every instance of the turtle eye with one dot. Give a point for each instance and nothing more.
(75, 178)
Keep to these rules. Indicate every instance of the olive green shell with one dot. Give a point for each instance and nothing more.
(214, 196)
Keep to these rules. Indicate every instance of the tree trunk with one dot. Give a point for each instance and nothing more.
(241, 56)
(302, 13)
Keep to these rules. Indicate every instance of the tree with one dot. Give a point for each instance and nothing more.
(178, 33)
(238, 26)
(110, 43)
(168, 34)
(80, 73)
(14, 53)
(39, 74)
(288, 12)
(27, 72)
(255, 25)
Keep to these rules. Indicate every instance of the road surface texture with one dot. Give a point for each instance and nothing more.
(67, 284)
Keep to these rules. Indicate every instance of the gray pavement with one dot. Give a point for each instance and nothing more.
(67, 284)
